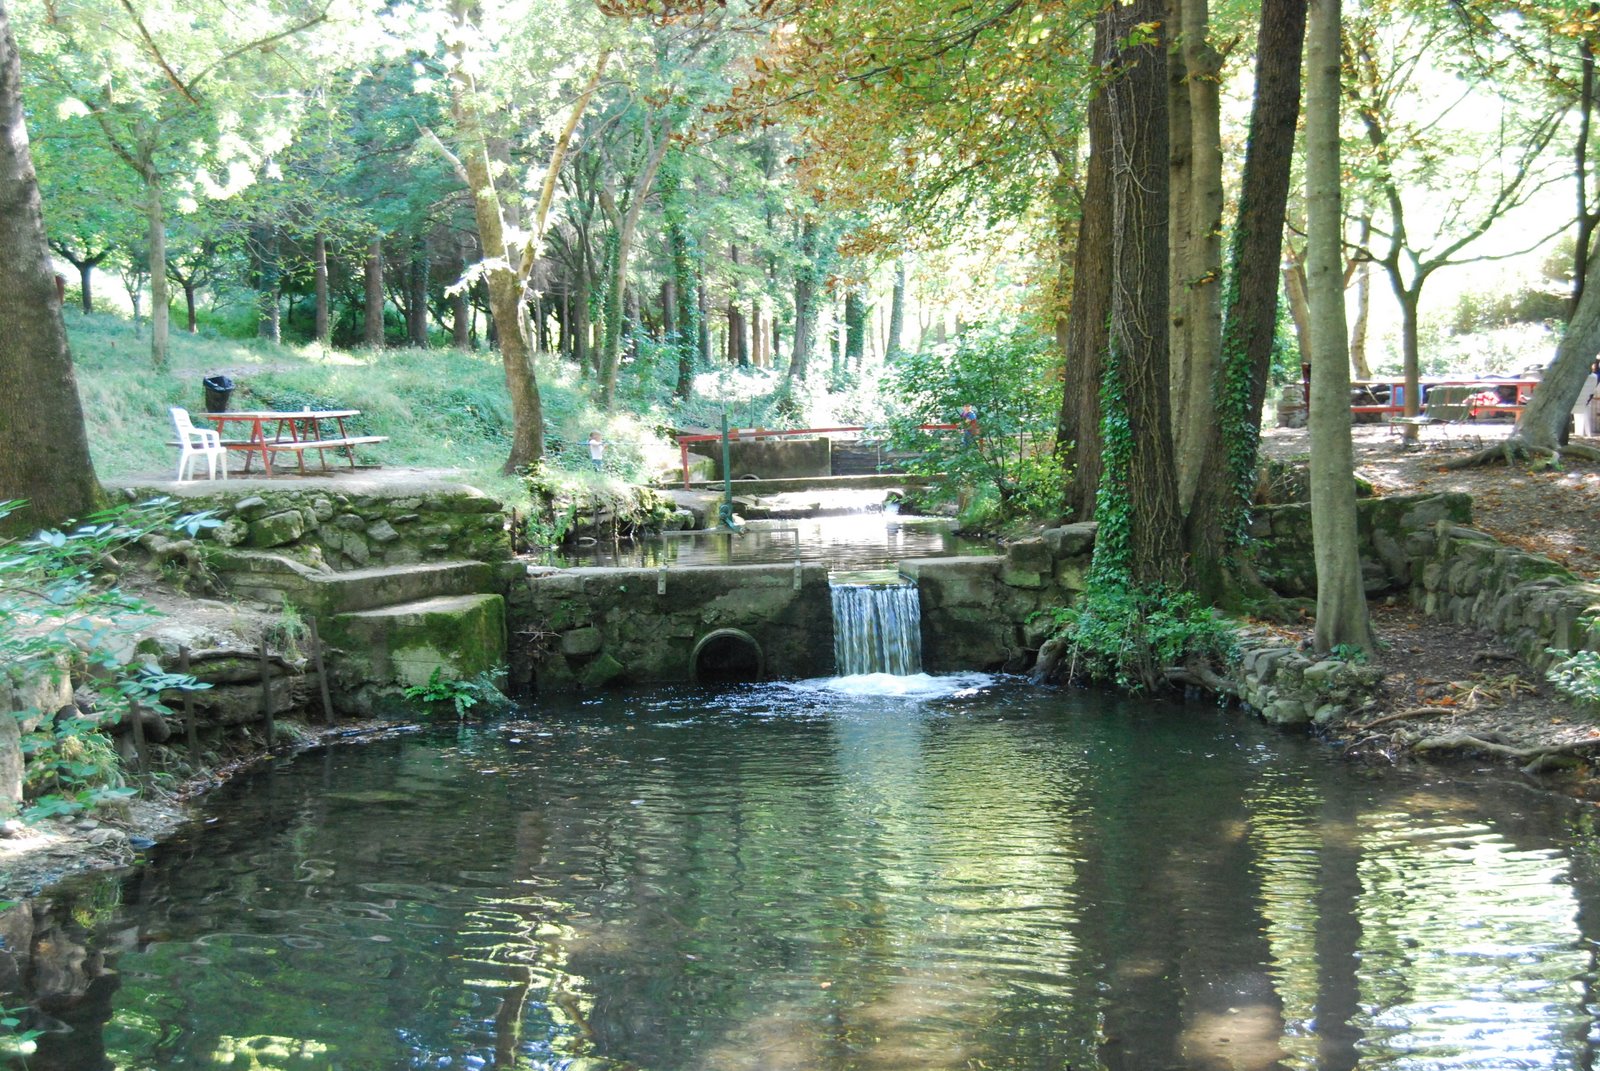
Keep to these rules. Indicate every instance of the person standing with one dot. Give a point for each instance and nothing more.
(969, 424)
(597, 450)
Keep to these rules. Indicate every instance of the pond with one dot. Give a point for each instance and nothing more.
(857, 540)
(864, 873)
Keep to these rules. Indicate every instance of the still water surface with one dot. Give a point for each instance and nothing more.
(851, 541)
(971, 874)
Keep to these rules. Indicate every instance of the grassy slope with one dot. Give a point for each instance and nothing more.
(440, 408)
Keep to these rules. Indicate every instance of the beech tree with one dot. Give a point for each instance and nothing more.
(1341, 602)
(46, 459)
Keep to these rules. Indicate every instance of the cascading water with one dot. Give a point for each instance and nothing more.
(877, 624)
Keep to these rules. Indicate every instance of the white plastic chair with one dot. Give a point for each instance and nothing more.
(1583, 412)
(196, 442)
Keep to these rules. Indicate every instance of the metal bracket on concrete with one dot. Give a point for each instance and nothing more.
(661, 580)
(797, 574)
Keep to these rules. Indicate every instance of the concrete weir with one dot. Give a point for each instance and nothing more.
(586, 628)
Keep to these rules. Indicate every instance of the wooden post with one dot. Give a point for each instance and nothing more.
(322, 673)
(266, 695)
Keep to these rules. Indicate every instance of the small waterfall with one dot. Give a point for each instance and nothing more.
(877, 624)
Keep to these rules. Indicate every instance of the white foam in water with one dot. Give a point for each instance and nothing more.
(900, 686)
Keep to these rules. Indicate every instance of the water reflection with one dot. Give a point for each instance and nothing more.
(971, 875)
(855, 540)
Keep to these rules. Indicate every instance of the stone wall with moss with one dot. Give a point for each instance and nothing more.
(1533, 603)
(328, 529)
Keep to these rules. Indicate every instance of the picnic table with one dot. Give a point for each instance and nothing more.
(1490, 397)
(268, 433)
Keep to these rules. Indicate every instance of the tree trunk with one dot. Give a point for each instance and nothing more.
(85, 273)
(582, 329)
(319, 256)
(1216, 519)
(897, 313)
(1084, 336)
(505, 284)
(1180, 213)
(160, 315)
(1544, 421)
(193, 323)
(1341, 602)
(855, 328)
(47, 461)
(460, 321)
(1202, 277)
(372, 335)
(738, 355)
(805, 303)
(1294, 285)
(417, 294)
(1146, 549)
(642, 185)
(1358, 330)
(269, 317)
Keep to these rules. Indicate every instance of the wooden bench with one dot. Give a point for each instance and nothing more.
(299, 447)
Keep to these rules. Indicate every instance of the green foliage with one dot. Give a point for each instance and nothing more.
(1349, 652)
(1128, 637)
(61, 609)
(1576, 675)
(462, 695)
(289, 631)
(1008, 372)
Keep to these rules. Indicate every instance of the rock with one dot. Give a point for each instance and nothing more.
(276, 529)
(581, 641)
(382, 532)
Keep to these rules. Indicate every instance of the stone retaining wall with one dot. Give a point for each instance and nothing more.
(1530, 601)
(324, 528)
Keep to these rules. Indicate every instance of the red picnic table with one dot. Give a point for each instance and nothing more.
(271, 433)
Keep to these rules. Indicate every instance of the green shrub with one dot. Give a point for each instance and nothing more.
(61, 609)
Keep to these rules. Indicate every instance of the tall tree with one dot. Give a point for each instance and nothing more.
(478, 62)
(1216, 519)
(47, 462)
(1138, 505)
(1341, 602)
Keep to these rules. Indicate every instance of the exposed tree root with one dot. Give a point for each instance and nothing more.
(1516, 448)
(1400, 715)
(1200, 675)
(1532, 760)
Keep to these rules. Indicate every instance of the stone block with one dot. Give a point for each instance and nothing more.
(459, 635)
(580, 642)
(277, 529)
(1071, 540)
(601, 672)
(382, 532)
(1029, 555)
(1021, 578)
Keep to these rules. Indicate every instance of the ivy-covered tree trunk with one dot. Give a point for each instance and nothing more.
(855, 328)
(1216, 519)
(46, 460)
(897, 312)
(372, 334)
(1084, 336)
(1141, 488)
(1341, 602)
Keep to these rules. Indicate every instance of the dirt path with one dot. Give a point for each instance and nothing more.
(1444, 683)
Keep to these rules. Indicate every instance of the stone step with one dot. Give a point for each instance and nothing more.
(390, 585)
(402, 644)
(274, 578)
